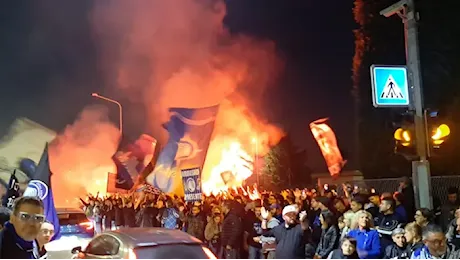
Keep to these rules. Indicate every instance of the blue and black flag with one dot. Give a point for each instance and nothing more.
(13, 191)
(190, 131)
(40, 186)
(131, 161)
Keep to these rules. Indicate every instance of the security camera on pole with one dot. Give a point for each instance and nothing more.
(391, 89)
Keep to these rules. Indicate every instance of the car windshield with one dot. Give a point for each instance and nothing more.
(71, 218)
(179, 251)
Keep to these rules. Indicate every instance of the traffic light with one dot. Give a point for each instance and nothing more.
(405, 144)
(438, 130)
(403, 137)
(439, 135)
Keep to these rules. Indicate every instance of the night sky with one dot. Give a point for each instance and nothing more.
(48, 65)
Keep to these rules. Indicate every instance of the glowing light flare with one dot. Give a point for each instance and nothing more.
(403, 136)
(441, 131)
(254, 195)
(233, 160)
(327, 142)
(406, 136)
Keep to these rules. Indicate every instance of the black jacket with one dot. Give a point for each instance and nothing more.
(328, 242)
(337, 254)
(14, 247)
(147, 217)
(393, 251)
(412, 248)
(232, 230)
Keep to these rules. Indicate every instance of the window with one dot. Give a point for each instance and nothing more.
(103, 245)
(178, 251)
(71, 218)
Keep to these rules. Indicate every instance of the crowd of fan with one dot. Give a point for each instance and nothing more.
(296, 223)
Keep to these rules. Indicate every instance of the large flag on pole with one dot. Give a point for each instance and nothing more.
(190, 131)
(40, 186)
(13, 191)
(327, 142)
(132, 160)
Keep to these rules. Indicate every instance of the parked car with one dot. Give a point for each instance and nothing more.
(144, 243)
(74, 222)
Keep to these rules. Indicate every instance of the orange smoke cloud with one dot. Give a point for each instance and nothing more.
(81, 157)
(179, 54)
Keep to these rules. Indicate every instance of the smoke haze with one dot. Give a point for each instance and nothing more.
(81, 156)
(178, 54)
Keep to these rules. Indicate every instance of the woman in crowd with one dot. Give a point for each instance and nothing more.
(330, 235)
(413, 234)
(367, 239)
(423, 217)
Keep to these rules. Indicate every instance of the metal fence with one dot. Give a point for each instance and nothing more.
(439, 185)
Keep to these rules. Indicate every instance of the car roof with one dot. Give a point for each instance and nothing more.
(143, 237)
(69, 210)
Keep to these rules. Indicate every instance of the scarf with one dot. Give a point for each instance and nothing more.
(26, 245)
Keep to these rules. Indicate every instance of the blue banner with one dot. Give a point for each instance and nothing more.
(40, 187)
(132, 160)
(190, 131)
(191, 179)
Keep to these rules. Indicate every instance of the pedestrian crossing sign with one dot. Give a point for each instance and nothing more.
(390, 87)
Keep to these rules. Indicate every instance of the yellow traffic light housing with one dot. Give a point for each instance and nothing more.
(403, 137)
(440, 135)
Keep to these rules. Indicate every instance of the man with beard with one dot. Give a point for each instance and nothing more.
(19, 234)
(435, 245)
(291, 236)
(387, 221)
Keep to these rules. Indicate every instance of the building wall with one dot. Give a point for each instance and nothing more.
(25, 139)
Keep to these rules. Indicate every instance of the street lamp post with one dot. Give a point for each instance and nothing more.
(421, 168)
(119, 107)
(256, 166)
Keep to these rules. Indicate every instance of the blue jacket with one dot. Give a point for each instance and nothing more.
(424, 253)
(368, 243)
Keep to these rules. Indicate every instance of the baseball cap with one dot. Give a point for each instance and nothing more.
(289, 209)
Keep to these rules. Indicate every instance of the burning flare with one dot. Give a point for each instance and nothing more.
(233, 168)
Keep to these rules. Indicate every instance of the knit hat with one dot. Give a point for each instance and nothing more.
(289, 209)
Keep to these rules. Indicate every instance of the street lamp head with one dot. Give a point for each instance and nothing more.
(254, 140)
(394, 9)
(95, 95)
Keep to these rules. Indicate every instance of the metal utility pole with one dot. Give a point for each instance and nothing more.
(120, 109)
(420, 169)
